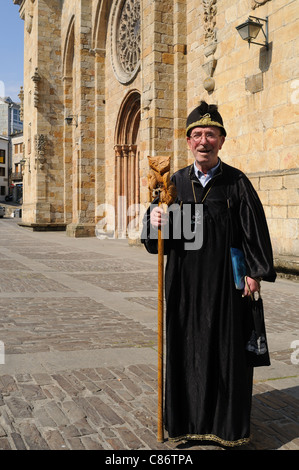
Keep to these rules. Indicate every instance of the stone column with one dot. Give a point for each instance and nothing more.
(118, 185)
(68, 150)
(83, 223)
(43, 182)
(180, 84)
(157, 55)
(100, 55)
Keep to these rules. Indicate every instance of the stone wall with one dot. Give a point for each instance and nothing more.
(258, 95)
(189, 50)
(43, 114)
(263, 140)
(164, 75)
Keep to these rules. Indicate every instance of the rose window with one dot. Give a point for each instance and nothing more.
(126, 40)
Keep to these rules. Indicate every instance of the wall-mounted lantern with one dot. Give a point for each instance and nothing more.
(24, 161)
(251, 28)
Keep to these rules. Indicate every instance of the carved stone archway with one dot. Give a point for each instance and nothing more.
(127, 194)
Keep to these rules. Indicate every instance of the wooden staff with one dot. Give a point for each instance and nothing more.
(160, 185)
(160, 432)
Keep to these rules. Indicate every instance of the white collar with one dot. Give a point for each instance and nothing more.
(210, 173)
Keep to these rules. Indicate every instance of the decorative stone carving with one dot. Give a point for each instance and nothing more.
(209, 18)
(209, 84)
(36, 79)
(128, 43)
(258, 3)
(29, 16)
(210, 42)
(21, 96)
(40, 146)
(210, 66)
(125, 44)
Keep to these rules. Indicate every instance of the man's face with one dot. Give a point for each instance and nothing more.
(205, 143)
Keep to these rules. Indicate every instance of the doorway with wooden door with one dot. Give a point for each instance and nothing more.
(127, 194)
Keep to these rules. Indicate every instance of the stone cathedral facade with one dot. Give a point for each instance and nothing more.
(108, 83)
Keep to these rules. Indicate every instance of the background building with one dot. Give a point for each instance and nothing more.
(10, 120)
(16, 175)
(10, 125)
(108, 83)
(4, 152)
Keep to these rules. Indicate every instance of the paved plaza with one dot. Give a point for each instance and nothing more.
(79, 340)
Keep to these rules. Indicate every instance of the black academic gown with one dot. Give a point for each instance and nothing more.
(208, 386)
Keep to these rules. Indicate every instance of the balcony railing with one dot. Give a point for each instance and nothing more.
(17, 176)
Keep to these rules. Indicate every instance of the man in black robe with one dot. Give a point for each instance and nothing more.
(208, 386)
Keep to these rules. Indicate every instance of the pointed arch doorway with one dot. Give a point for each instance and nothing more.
(127, 194)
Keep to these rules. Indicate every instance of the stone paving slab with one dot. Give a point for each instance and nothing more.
(115, 408)
(48, 324)
(78, 323)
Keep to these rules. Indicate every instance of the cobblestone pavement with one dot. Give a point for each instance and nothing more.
(78, 328)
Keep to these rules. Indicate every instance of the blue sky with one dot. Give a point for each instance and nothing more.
(11, 49)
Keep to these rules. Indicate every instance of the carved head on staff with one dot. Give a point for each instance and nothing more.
(159, 180)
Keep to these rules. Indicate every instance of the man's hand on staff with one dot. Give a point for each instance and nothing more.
(253, 285)
(158, 217)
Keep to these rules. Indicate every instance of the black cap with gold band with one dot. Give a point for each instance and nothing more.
(203, 116)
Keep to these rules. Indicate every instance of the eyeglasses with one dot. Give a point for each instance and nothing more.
(208, 136)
